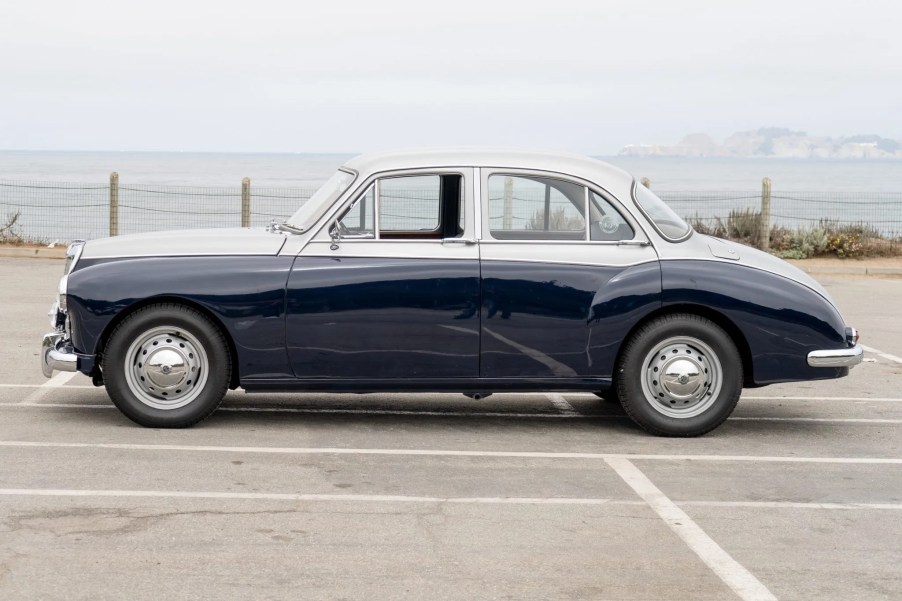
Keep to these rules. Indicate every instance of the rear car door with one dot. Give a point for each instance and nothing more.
(565, 270)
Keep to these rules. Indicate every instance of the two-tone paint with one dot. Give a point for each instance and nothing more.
(470, 314)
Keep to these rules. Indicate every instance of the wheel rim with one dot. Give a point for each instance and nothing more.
(683, 377)
(166, 367)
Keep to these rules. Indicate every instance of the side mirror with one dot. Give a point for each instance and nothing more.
(335, 234)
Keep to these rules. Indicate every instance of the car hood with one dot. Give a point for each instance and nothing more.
(226, 241)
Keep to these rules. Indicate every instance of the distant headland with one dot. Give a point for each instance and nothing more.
(773, 142)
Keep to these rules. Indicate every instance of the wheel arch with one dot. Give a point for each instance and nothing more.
(724, 322)
(177, 300)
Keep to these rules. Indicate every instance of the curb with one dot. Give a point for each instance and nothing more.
(58, 252)
(849, 270)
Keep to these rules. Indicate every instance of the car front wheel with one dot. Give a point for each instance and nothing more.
(166, 366)
(679, 375)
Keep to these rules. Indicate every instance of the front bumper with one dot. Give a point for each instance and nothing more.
(57, 354)
(844, 357)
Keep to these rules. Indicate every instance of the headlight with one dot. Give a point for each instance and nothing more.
(61, 301)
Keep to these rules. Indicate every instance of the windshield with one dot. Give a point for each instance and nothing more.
(666, 221)
(310, 212)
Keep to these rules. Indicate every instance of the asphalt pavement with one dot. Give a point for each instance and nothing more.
(436, 496)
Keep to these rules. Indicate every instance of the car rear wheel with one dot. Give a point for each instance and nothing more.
(679, 375)
(166, 366)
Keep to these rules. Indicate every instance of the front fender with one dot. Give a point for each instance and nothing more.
(246, 294)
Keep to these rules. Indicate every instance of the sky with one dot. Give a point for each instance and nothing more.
(352, 76)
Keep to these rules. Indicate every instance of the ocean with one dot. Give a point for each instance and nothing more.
(304, 170)
(64, 195)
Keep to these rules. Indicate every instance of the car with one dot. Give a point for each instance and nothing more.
(448, 270)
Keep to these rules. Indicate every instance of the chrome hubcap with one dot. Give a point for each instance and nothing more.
(166, 368)
(682, 378)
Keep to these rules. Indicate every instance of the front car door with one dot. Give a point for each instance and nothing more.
(392, 293)
(565, 273)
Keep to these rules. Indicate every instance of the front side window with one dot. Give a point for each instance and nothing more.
(410, 204)
(536, 208)
(666, 221)
(415, 207)
(359, 221)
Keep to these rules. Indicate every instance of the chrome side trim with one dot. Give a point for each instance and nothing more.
(845, 357)
(55, 358)
(477, 201)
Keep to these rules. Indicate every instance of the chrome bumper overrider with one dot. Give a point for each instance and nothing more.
(844, 357)
(57, 354)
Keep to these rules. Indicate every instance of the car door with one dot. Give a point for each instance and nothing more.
(391, 292)
(565, 272)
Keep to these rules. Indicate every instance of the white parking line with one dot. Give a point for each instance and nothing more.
(882, 354)
(733, 574)
(447, 453)
(823, 420)
(822, 398)
(561, 403)
(45, 492)
(566, 412)
(42, 384)
(55, 382)
(791, 505)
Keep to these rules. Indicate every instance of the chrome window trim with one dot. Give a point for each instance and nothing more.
(477, 202)
(324, 209)
(630, 242)
(635, 186)
(585, 215)
(341, 203)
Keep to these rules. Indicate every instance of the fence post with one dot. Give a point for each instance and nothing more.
(246, 202)
(114, 204)
(764, 219)
(507, 219)
(645, 182)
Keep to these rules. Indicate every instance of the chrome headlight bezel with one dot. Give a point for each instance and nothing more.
(73, 254)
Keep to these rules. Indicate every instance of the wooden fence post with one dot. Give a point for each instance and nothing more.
(507, 219)
(645, 182)
(114, 204)
(246, 202)
(764, 219)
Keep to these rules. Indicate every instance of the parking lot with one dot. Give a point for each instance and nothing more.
(428, 496)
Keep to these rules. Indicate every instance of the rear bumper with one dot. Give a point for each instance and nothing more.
(844, 357)
(57, 354)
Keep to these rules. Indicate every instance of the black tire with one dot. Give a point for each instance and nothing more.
(689, 351)
(174, 394)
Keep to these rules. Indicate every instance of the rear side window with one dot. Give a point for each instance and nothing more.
(606, 223)
(536, 208)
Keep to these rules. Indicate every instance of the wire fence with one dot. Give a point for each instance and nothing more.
(44, 212)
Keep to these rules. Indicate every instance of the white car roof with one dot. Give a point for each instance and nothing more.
(424, 158)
